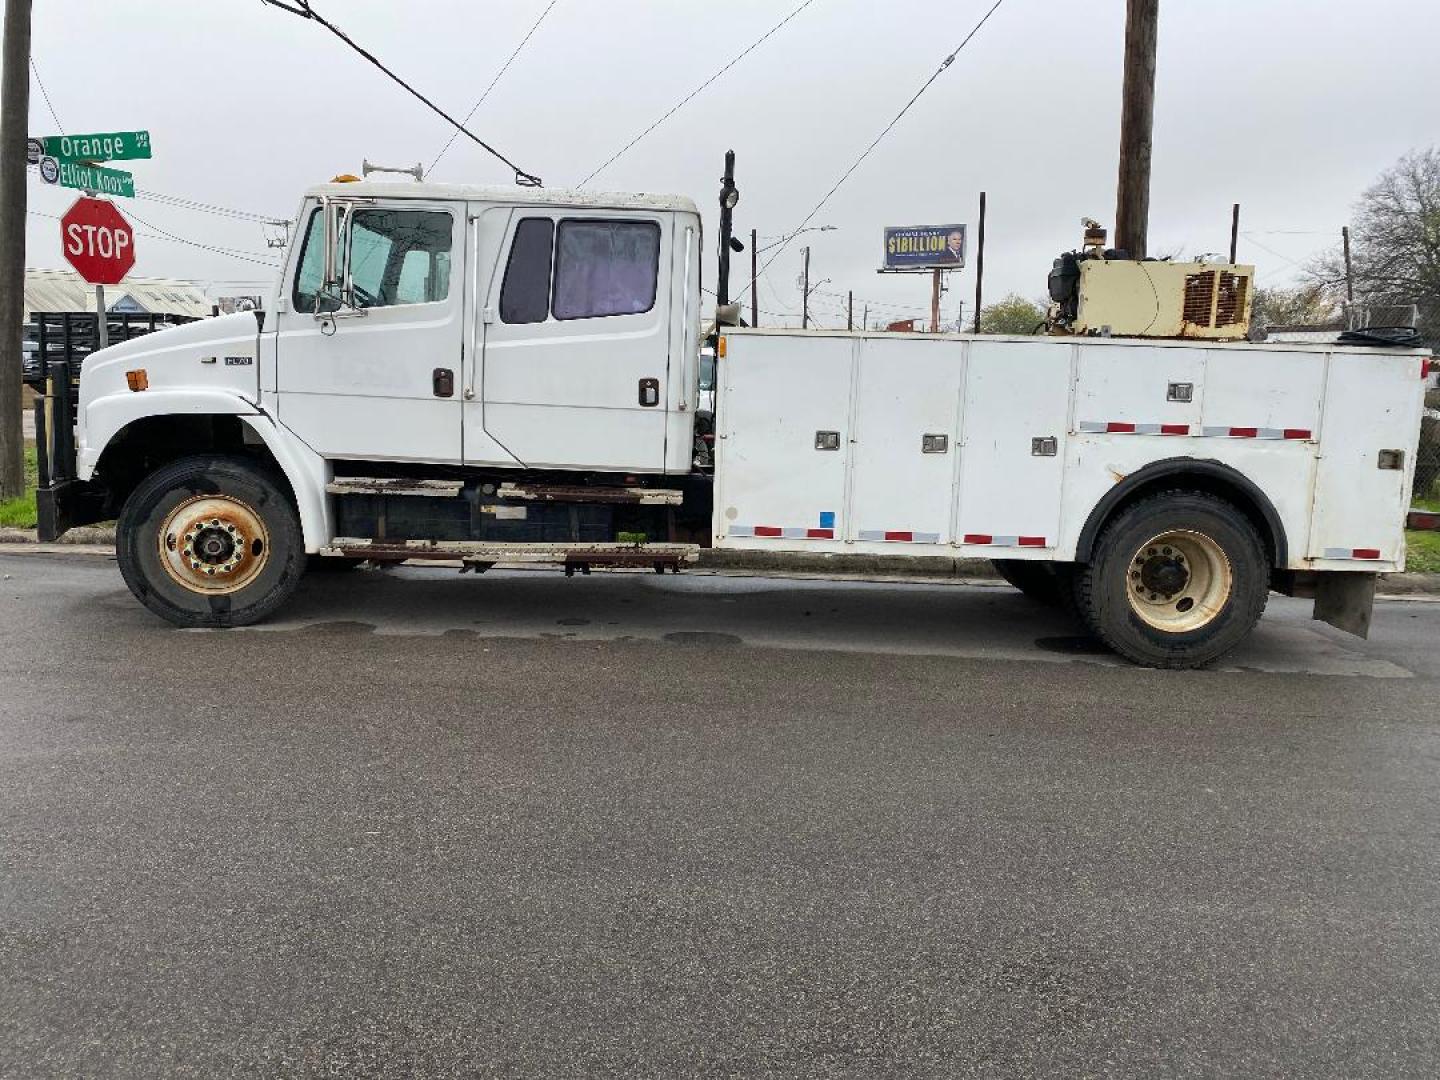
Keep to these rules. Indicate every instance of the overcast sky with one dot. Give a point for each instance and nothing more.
(1290, 107)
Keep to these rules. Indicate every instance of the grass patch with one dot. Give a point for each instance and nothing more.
(1422, 552)
(20, 513)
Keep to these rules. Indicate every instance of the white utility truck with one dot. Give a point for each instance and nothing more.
(500, 375)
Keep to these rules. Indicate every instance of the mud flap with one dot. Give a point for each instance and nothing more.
(1345, 601)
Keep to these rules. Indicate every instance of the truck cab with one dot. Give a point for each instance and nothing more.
(510, 328)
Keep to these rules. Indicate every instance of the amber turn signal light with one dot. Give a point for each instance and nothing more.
(138, 379)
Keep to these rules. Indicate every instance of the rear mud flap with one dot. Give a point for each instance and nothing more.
(1345, 601)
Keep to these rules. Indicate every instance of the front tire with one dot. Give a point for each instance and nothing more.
(1176, 581)
(210, 541)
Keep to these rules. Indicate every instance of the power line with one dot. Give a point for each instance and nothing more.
(504, 68)
(693, 93)
(161, 234)
(46, 95)
(303, 9)
(888, 128)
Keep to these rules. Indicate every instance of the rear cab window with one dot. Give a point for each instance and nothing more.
(580, 268)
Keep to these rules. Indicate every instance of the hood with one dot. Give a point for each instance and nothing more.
(212, 354)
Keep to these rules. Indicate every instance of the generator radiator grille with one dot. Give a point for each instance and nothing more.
(1199, 297)
(1230, 305)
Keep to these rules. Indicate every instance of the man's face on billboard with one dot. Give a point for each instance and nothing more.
(955, 241)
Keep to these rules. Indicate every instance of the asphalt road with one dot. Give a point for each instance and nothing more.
(625, 825)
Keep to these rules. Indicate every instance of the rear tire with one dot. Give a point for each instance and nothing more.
(1176, 581)
(210, 541)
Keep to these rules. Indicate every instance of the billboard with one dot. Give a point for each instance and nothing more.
(924, 247)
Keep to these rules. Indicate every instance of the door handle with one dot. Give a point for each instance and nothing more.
(649, 393)
(443, 380)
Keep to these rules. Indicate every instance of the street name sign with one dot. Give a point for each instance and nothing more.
(97, 241)
(101, 146)
(94, 178)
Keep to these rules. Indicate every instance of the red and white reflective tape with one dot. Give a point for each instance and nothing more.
(1352, 553)
(1118, 427)
(786, 532)
(987, 540)
(900, 536)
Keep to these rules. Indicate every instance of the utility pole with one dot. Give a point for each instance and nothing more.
(754, 290)
(935, 301)
(866, 318)
(14, 130)
(729, 196)
(1137, 120)
(1234, 232)
(850, 312)
(979, 266)
(805, 288)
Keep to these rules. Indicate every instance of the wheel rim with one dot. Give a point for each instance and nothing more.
(214, 544)
(1179, 581)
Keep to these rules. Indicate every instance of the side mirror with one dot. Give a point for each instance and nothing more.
(333, 297)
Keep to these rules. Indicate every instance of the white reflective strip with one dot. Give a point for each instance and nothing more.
(1005, 541)
(1092, 426)
(871, 534)
(742, 530)
(926, 538)
(1215, 432)
(1340, 553)
(794, 534)
(1270, 433)
(1147, 429)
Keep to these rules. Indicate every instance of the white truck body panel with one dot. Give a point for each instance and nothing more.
(1304, 426)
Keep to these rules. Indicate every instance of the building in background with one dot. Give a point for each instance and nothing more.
(63, 290)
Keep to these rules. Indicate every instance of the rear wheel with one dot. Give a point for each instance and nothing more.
(210, 541)
(1176, 581)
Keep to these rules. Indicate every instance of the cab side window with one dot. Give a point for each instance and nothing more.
(400, 257)
(605, 268)
(525, 293)
(580, 269)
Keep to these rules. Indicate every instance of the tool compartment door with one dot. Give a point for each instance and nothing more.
(908, 395)
(1372, 403)
(1016, 391)
(778, 394)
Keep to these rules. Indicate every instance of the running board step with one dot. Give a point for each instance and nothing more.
(571, 556)
(578, 493)
(360, 485)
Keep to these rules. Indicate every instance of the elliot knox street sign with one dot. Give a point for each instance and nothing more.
(72, 160)
(97, 241)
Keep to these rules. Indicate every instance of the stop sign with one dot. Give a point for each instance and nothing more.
(97, 241)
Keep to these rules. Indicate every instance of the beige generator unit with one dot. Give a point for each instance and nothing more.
(1102, 292)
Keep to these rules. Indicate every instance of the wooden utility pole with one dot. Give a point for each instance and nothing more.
(979, 266)
(1349, 272)
(14, 130)
(805, 288)
(1137, 118)
(935, 301)
(754, 292)
(1234, 232)
(850, 311)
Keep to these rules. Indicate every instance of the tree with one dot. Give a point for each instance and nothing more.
(1304, 305)
(1394, 241)
(1012, 315)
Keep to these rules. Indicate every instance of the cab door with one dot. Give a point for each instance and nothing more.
(576, 339)
(378, 380)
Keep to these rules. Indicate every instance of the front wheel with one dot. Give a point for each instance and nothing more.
(1176, 581)
(210, 541)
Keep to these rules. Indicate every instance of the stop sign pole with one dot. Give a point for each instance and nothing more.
(99, 243)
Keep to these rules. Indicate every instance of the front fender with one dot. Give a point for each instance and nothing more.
(306, 471)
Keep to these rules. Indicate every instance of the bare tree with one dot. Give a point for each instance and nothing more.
(1395, 241)
(1304, 305)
